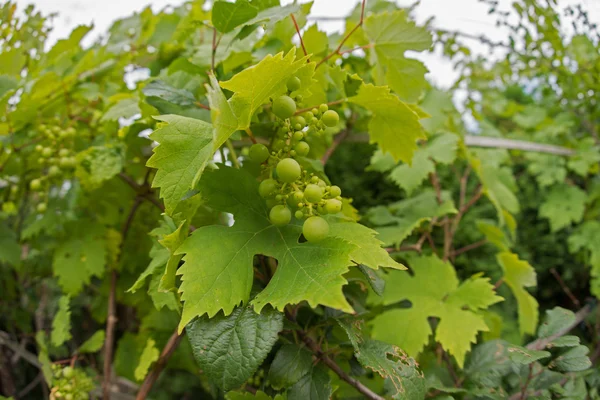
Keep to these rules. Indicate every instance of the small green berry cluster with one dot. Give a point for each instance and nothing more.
(258, 380)
(287, 186)
(56, 158)
(70, 384)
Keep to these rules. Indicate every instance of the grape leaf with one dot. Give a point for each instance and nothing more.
(149, 355)
(392, 34)
(587, 237)
(548, 169)
(289, 365)
(185, 147)
(574, 359)
(388, 361)
(518, 275)
(254, 86)
(521, 355)
(433, 291)
(10, 250)
(93, 344)
(564, 205)
(227, 16)
(169, 93)
(98, 164)
(125, 108)
(217, 272)
(81, 256)
(496, 188)
(316, 385)
(230, 348)
(394, 125)
(61, 324)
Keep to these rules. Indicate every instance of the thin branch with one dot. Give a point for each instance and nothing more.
(299, 36)
(501, 143)
(251, 135)
(200, 105)
(527, 382)
(316, 349)
(166, 353)
(336, 142)
(565, 288)
(111, 320)
(469, 247)
(331, 103)
(17, 349)
(541, 343)
(214, 50)
(337, 50)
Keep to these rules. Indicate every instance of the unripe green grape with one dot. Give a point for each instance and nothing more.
(298, 196)
(298, 127)
(322, 183)
(330, 118)
(35, 184)
(333, 206)
(41, 208)
(299, 120)
(46, 152)
(68, 396)
(323, 108)
(39, 148)
(298, 136)
(279, 197)
(14, 189)
(284, 107)
(321, 209)
(308, 115)
(67, 162)
(278, 144)
(299, 98)
(315, 229)
(54, 171)
(302, 148)
(313, 193)
(56, 129)
(280, 215)
(293, 84)
(314, 179)
(71, 131)
(299, 214)
(63, 152)
(68, 372)
(288, 170)
(315, 111)
(335, 191)
(267, 188)
(259, 153)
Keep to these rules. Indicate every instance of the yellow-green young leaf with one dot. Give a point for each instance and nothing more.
(224, 121)
(226, 16)
(433, 291)
(217, 273)
(518, 275)
(315, 41)
(392, 34)
(185, 147)
(394, 125)
(93, 344)
(587, 237)
(149, 356)
(564, 205)
(43, 357)
(494, 181)
(230, 348)
(61, 324)
(494, 234)
(388, 361)
(254, 86)
(80, 256)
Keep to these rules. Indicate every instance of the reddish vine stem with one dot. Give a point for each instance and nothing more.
(166, 353)
(200, 105)
(526, 385)
(299, 36)
(213, 51)
(111, 320)
(316, 349)
(336, 142)
(469, 247)
(565, 288)
(337, 50)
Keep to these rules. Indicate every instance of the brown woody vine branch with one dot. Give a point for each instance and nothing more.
(336, 142)
(541, 343)
(299, 36)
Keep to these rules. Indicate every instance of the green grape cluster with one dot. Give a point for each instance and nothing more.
(258, 380)
(290, 190)
(70, 384)
(56, 158)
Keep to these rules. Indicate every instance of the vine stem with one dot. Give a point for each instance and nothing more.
(316, 349)
(337, 50)
(299, 36)
(166, 353)
(541, 343)
(336, 142)
(111, 320)
(331, 103)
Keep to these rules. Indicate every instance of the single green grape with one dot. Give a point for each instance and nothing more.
(313, 193)
(284, 107)
(323, 108)
(298, 196)
(302, 148)
(333, 206)
(54, 171)
(298, 136)
(39, 148)
(299, 214)
(68, 372)
(299, 120)
(259, 153)
(46, 152)
(63, 152)
(41, 208)
(335, 191)
(67, 162)
(280, 215)
(330, 118)
(315, 229)
(267, 188)
(293, 84)
(288, 170)
(35, 184)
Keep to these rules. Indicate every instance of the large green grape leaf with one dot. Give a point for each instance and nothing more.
(518, 275)
(254, 86)
(98, 164)
(230, 348)
(392, 34)
(564, 205)
(217, 273)
(388, 361)
(433, 291)
(185, 147)
(397, 221)
(394, 125)
(290, 364)
(80, 256)
(61, 324)
(224, 121)
(226, 16)
(316, 385)
(548, 169)
(587, 237)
